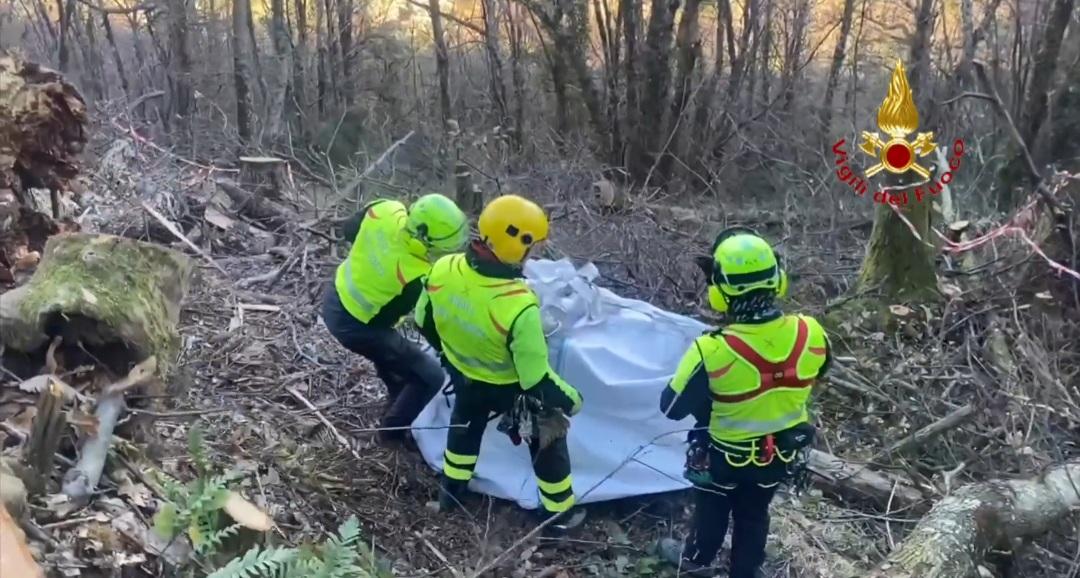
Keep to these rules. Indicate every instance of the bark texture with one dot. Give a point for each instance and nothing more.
(955, 536)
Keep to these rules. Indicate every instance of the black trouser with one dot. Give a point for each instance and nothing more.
(474, 404)
(743, 494)
(412, 377)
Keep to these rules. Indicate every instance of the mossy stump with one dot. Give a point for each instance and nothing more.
(117, 297)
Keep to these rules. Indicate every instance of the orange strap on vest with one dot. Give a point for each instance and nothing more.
(773, 375)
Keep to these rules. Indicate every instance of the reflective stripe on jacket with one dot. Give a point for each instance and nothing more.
(473, 315)
(381, 262)
(760, 375)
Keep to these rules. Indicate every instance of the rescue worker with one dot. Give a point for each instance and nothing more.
(747, 385)
(478, 311)
(379, 283)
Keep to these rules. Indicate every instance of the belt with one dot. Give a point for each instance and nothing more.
(741, 454)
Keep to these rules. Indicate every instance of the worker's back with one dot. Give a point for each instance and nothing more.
(473, 314)
(760, 375)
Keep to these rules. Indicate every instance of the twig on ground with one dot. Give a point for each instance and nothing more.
(176, 233)
(341, 439)
(919, 437)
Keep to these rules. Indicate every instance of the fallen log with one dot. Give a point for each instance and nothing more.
(839, 477)
(113, 297)
(257, 207)
(953, 539)
(921, 436)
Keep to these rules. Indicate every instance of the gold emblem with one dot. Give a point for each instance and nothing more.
(897, 117)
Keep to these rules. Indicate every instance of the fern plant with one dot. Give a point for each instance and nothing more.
(341, 556)
(195, 508)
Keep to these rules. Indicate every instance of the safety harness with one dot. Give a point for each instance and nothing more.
(784, 445)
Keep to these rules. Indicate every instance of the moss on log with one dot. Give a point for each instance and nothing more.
(115, 294)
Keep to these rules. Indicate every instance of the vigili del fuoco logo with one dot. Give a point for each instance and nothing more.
(897, 118)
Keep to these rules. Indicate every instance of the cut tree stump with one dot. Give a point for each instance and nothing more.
(264, 176)
(117, 298)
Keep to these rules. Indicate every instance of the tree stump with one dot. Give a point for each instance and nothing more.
(265, 176)
(469, 196)
(115, 298)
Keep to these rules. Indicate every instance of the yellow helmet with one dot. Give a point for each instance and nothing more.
(510, 225)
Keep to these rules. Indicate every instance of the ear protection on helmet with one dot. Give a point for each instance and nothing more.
(418, 239)
(717, 299)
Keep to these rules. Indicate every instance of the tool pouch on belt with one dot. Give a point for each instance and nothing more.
(795, 438)
(522, 422)
(698, 463)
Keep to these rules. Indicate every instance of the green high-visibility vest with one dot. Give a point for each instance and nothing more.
(473, 315)
(760, 376)
(382, 261)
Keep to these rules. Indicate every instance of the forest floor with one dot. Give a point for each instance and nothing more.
(256, 353)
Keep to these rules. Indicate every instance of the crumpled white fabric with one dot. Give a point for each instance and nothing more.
(620, 354)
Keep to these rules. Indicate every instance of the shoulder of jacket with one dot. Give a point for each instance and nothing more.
(440, 265)
(812, 324)
(710, 342)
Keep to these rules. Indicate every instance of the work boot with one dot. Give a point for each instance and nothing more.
(565, 522)
(451, 493)
(670, 550)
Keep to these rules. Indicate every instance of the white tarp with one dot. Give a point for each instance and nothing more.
(619, 353)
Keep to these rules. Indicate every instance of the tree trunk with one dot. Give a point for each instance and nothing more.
(1035, 103)
(793, 53)
(920, 60)
(762, 57)
(442, 61)
(653, 135)
(64, 9)
(1066, 125)
(834, 71)
(334, 48)
(631, 15)
(94, 68)
(299, 94)
(280, 37)
(180, 64)
(345, 28)
(118, 59)
(575, 48)
(688, 51)
(900, 263)
(320, 57)
(518, 74)
(241, 74)
(953, 539)
(742, 66)
(610, 41)
(706, 103)
(490, 9)
(851, 94)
